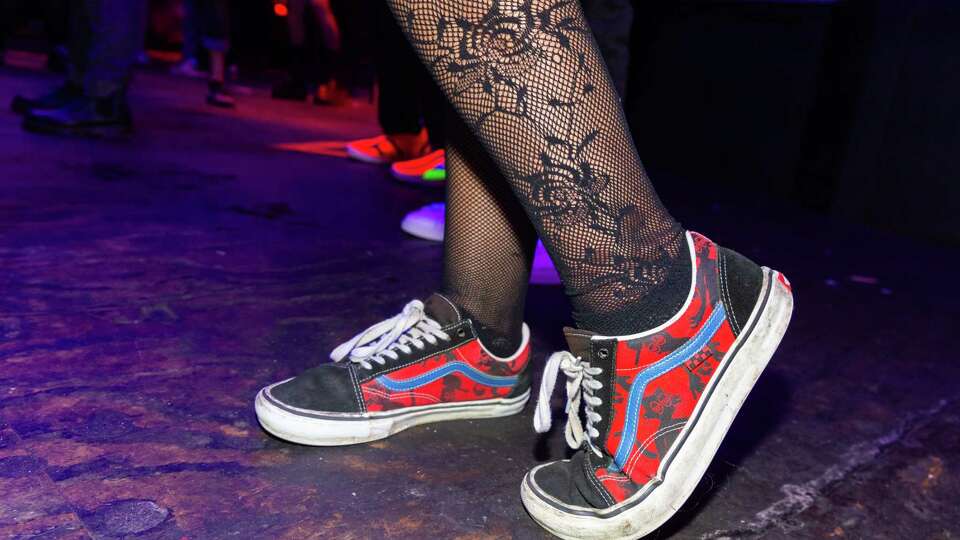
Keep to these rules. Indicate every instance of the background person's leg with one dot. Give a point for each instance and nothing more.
(489, 242)
(301, 74)
(398, 102)
(331, 91)
(215, 28)
(80, 38)
(117, 38)
(110, 33)
(56, 23)
(528, 79)
(191, 30)
(435, 110)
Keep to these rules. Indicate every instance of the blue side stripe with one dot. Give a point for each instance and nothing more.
(467, 370)
(667, 363)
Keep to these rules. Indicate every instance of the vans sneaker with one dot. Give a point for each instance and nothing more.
(423, 365)
(656, 404)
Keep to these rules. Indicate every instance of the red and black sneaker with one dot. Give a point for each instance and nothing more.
(658, 403)
(423, 365)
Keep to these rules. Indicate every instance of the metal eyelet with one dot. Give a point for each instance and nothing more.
(603, 354)
(461, 333)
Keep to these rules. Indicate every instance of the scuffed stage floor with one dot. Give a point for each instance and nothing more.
(149, 288)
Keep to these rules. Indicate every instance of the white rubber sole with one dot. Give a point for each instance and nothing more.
(360, 156)
(423, 228)
(337, 429)
(647, 510)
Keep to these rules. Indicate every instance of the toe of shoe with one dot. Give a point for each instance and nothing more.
(326, 388)
(555, 482)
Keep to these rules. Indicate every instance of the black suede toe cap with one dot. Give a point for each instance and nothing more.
(566, 482)
(740, 283)
(325, 388)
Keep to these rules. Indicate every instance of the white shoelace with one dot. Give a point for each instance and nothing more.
(581, 385)
(409, 329)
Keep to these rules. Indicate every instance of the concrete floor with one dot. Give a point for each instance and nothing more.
(149, 288)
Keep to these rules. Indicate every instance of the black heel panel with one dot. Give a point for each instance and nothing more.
(740, 283)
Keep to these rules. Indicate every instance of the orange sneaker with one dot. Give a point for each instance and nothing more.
(384, 149)
(414, 170)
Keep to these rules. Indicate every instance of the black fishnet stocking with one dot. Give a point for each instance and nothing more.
(488, 244)
(528, 80)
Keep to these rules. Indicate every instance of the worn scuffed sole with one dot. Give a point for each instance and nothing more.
(335, 429)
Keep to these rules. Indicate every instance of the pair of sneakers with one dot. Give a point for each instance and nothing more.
(646, 412)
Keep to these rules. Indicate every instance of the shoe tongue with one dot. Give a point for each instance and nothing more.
(578, 341)
(442, 310)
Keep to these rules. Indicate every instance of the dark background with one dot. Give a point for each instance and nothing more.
(846, 108)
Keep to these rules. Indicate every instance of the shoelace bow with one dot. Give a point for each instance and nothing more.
(581, 385)
(409, 329)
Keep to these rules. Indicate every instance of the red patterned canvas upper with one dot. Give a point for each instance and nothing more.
(667, 371)
(464, 373)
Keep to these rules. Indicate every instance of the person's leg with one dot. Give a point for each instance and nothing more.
(529, 81)
(464, 353)
(109, 37)
(614, 19)
(193, 62)
(331, 90)
(191, 31)
(300, 73)
(214, 26)
(398, 103)
(56, 22)
(673, 330)
(327, 23)
(78, 39)
(117, 38)
(434, 109)
(398, 110)
(81, 36)
(429, 169)
(488, 243)
(355, 37)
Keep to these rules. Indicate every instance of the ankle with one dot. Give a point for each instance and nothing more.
(500, 331)
(497, 342)
(640, 310)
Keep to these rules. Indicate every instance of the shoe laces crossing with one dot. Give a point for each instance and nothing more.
(581, 385)
(409, 329)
